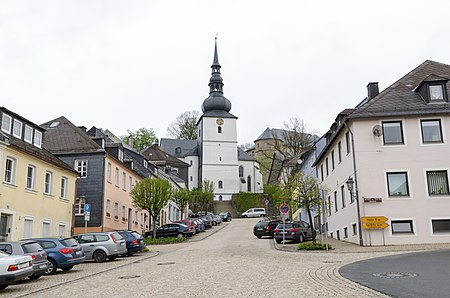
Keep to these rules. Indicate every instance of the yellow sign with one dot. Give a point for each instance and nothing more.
(374, 219)
(375, 225)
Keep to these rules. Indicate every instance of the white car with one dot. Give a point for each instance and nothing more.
(254, 212)
(14, 268)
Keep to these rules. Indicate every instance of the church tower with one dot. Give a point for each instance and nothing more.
(217, 136)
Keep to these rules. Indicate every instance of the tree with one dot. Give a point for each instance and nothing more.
(185, 126)
(203, 197)
(142, 138)
(182, 197)
(304, 191)
(152, 195)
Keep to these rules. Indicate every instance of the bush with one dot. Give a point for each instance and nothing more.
(167, 240)
(313, 246)
(245, 201)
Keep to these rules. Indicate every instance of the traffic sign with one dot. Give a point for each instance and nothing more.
(266, 202)
(284, 208)
(374, 225)
(374, 219)
(87, 207)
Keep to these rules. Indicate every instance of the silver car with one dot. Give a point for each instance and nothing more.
(102, 245)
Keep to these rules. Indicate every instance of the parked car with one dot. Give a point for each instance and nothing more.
(297, 231)
(174, 230)
(200, 224)
(62, 252)
(207, 220)
(102, 245)
(14, 268)
(266, 227)
(30, 248)
(254, 212)
(189, 224)
(134, 241)
(217, 219)
(226, 216)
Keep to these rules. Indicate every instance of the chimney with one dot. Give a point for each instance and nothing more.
(131, 141)
(372, 90)
(156, 142)
(83, 128)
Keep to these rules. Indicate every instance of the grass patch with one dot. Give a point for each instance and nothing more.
(313, 246)
(163, 240)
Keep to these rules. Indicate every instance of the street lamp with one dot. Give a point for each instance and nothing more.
(350, 183)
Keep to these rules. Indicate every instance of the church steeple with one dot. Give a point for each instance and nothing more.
(216, 100)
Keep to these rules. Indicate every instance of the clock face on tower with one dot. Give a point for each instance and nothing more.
(219, 121)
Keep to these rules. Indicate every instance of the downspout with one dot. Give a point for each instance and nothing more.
(358, 208)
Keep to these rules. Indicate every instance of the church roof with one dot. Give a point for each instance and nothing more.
(244, 156)
(180, 148)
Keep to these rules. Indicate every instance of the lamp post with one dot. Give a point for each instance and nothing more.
(350, 183)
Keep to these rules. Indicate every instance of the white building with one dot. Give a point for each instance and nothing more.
(394, 145)
(215, 155)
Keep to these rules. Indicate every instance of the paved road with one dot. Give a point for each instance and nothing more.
(229, 263)
(424, 274)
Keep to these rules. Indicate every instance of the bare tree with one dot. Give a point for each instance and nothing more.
(185, 126)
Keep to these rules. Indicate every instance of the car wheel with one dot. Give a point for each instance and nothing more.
(262, 215)
(112, 258)
(214, 223)
(245, 216)
(259, 237)
(130, 254)
(300, 238)
(3, 287)
(278, 240)
(51, 269)
(33, 277)
(179, 236)
(99, 256)
(66, 268)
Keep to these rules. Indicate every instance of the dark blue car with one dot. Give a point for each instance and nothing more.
(134, 241)
(62, 252)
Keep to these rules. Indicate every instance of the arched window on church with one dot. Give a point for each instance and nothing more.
(219, 129)
(241, 171)
(249, 183)
(220, 184)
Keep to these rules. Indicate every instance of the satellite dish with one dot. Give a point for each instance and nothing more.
(377, 131)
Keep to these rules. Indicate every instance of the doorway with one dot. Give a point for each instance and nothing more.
(5, 227)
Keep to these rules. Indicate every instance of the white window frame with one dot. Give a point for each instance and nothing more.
(403, 234)
(49, 223)
(12, 170)
(81, 166)
(48, 183)
(108, 207)
(79, 206)
(16, 124)
(124, 212)
(32, 179)
(64, 187)
(28, 134)
(37, 138)
(116, 210)
(108, 172)
(29, 219)
(117, 177)
(63, 226)
(6, 127)
(131, 182)
(124, 181)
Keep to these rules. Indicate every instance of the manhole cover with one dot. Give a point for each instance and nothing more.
(395, 274)
(166, 263)
(129, 276)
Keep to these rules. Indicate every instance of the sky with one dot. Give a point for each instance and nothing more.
(124, 65)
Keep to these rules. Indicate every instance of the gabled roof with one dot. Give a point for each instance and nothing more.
(244, 156)
(400, 99)
(159, 157)
(180, 148)
(271, 133)
(62, 136)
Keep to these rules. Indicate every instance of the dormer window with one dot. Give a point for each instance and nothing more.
(120, 155)
(433, 89)
(436, 92)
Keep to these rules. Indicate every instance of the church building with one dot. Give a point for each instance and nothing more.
(215, 154)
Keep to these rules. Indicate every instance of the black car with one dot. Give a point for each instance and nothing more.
(226, 216)
(174, 230)
(297, 231)
(265, 227)
(134, 241)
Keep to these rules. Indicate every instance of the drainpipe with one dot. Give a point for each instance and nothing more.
(358, 210)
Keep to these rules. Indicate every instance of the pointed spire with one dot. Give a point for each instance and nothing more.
(215, 83)
(216, 56)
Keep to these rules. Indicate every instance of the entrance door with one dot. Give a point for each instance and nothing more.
(3, 227)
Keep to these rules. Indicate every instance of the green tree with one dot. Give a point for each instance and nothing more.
(152, 195)
(142, 138)
(304, 191)
(203, 197)
(185, 126)
(182, 197)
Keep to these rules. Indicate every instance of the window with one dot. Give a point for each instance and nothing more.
(338, 235)
(437, 182)
(220, 184)
(17, 129)
(28, 136)
(249, 183)
(120, 155)
(48, 183)
(116, 210)
(62, 230)
(402, 227)
(81, 167)
(321, 172)
(241, 171)
(392, 133)
(347, 141)
(219, 129)
(329, 205)
(79, 206)
(64, 185)
(123, 213)
(37, 138)
(440, 226)
(6, 123)
(146, 163)
(354, 230)
(108, 172)
(431, 131)
(436, 93)
(108, 207)
(345, 232)
(124, 181)
(397, 184)
(31, 177)
(339, 151)
(136, 217)
(343, 196)
(332, 160)
(191, 178)
(131, 182)
(335, 202)
(10, 169)
(45, 229)
(28, 228)
(117, 177)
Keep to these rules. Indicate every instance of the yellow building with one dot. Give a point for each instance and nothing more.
(37, 190)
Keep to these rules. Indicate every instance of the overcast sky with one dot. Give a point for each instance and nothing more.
(123, 65)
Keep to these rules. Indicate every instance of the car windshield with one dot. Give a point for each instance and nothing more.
(31, 247)
(261, 224)
(137, 235)
(117, 236)
(70, 242)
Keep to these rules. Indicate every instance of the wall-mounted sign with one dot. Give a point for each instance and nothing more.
(373, 200)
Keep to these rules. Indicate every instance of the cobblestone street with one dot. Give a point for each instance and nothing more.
(230, 263)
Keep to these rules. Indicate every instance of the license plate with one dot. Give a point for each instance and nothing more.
(43, 266)
(23, 265)
(259, 229)
(79, 253)
(283, 232)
